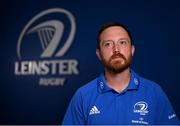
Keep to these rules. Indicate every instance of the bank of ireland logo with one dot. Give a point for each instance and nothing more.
(141, 108)
(50, 33)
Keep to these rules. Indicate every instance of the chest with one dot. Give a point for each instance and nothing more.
(121, 109)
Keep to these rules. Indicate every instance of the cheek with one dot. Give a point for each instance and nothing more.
(106, 54)
(104, 57)
(126, 52)
(107, 51)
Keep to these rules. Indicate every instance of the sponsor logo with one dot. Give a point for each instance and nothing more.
(139, 122)
(172, 116)
(50, 34)
(141, 108)
(94, 110)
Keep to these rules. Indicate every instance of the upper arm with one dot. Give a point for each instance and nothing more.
(74, 114)
(165, 111)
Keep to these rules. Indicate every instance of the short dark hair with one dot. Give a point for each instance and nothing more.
(111, 24)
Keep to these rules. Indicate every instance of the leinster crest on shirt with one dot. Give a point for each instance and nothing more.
(141, 108)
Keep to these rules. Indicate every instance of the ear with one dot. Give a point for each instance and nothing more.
(98, 53)
(132, 50)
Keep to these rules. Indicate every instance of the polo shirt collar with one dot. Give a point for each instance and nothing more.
(133, 83)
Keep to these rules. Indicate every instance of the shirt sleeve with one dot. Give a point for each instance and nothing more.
(74, 114)
(165, 113)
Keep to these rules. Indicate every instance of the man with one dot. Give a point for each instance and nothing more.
(119, 95)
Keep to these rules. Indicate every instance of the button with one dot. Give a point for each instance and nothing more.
(136, 81)
(101, 85)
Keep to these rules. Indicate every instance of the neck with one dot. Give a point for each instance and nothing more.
(118, 81)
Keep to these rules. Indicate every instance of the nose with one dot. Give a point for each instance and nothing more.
(116, 48)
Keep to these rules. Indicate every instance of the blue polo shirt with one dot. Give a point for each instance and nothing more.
(142, 102)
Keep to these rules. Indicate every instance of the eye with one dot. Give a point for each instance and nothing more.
(123, 42)
(107, 44)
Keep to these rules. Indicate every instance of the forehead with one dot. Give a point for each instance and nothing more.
(114, 32)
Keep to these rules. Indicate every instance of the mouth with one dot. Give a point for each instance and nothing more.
(117, 57)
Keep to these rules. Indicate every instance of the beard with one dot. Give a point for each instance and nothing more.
(117, 63)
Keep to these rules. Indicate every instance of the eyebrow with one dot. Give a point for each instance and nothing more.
(118, 40)
(124, 39)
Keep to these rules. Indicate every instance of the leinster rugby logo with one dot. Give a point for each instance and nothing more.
(42, 41)
(49, 32)
(141, 108)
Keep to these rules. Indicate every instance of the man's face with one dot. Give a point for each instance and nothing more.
(115, 50)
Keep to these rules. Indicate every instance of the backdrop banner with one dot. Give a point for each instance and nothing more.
(48, 51)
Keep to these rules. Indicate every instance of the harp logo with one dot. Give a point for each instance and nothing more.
(50, 33)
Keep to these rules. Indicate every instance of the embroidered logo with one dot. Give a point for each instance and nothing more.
(141, 108)
(171, 116)
(94, 110)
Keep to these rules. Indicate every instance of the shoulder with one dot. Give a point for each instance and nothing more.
(88, 88)
(152, 90)
(150, 85)
(146, 84)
